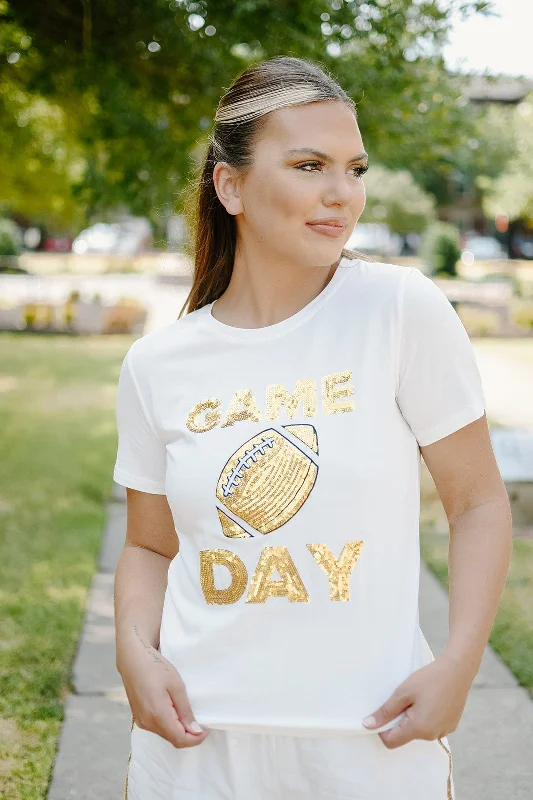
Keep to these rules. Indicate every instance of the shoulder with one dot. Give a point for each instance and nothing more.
(157, 345)
(379, 278)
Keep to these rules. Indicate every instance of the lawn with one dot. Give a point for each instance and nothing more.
(57, 401)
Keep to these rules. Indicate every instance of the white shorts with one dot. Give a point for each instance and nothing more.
(259, 766)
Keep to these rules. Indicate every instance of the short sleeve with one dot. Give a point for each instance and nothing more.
(439, 385)
(141, 455)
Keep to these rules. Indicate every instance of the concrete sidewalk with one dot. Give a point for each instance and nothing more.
(491, 747)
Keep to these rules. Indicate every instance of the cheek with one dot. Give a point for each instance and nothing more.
(287, 199)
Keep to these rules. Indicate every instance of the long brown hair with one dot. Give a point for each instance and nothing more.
(261, 88)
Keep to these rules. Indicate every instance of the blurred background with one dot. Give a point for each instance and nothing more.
(105, 111)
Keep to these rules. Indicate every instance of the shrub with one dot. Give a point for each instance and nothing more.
(124, 315)
(478, 321)
(30, 315)
(69, 312)
(10, 238)
(439, 249)
(120, 319)
(522, 313)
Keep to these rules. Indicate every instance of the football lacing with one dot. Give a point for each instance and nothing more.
(243, 463)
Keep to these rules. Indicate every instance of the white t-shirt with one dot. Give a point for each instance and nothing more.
(290, 458)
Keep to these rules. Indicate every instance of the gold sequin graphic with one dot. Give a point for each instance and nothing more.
(230, 528)
(290, 585)
(212, 417)
(277, 396)
(243, 406)
(331, 393)
(267, 480)
(338, 572)
(306, 433)
(239, 576)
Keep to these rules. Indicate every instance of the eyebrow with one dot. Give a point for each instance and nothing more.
(320, 154)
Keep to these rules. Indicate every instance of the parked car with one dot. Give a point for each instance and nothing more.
(522, 245)
(375, 238)
(481, 248)
(128, 237)
(56, 244)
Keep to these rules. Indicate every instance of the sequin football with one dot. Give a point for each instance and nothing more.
(267, 480)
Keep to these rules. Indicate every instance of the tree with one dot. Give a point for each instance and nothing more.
(511, 193)
(134, 85)
(394, 198)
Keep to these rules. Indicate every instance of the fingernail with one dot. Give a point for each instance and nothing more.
(369, 722)
(194, 727)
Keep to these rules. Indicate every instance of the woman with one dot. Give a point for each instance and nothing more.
(267, 597)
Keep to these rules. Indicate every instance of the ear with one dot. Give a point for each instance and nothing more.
(227, 187)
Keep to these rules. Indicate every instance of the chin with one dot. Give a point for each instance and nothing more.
(326, 256)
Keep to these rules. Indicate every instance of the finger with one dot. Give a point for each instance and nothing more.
(178, 696)
(401, 734)
(399, 701)
(170, 728)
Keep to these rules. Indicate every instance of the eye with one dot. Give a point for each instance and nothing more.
(308, 164)
(360, 169)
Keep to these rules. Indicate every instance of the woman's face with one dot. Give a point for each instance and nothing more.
(284, 191)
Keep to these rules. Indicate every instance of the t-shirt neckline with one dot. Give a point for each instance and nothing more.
(286, 325)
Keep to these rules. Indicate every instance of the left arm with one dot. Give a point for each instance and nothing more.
(475, 500)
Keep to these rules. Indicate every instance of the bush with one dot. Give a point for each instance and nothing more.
(522, 313)
(30, 315)
(439, 249)
(10, 238)
(124, 316)
(478, 321)
(120, 319)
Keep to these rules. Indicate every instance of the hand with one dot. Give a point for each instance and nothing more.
(157, 695)
(433, 699)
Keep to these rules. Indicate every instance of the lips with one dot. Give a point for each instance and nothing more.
(327, 228)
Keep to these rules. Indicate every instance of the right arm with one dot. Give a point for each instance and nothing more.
(141, 575)
(155, 690)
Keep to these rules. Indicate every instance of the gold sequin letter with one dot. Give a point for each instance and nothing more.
(243, 406)
(330, 392)
(239, 576)
(277, 396)
(338, 572)
(212, 418)
(290, 585)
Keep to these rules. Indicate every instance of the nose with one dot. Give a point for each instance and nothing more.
(342, 189)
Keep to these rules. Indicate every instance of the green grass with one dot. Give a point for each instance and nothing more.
(57, 405)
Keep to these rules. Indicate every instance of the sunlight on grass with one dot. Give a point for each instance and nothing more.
(57, 400)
